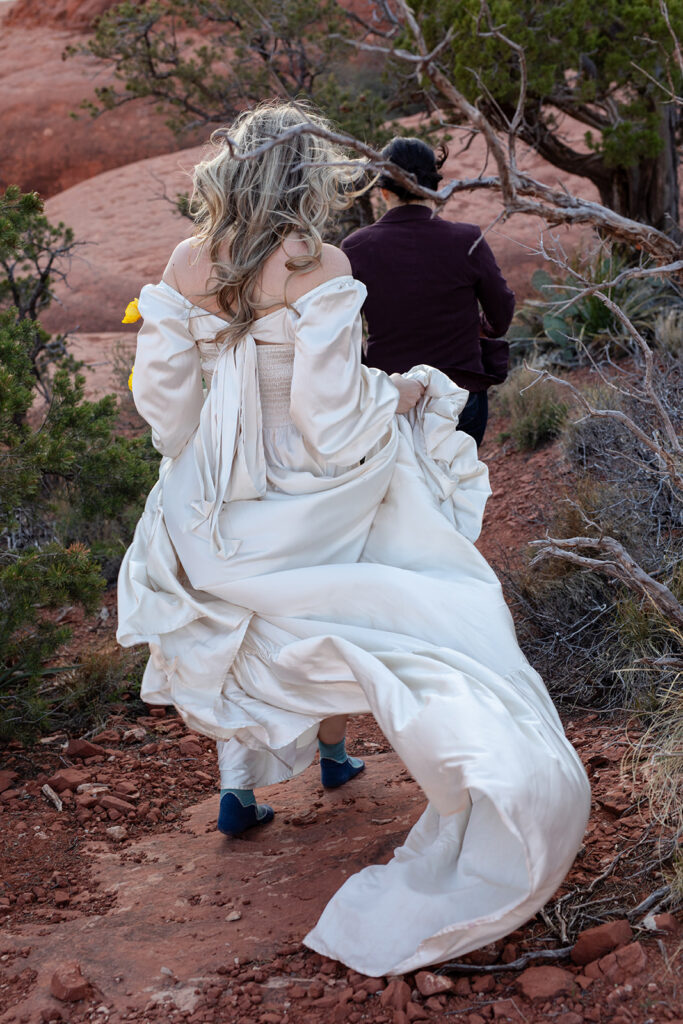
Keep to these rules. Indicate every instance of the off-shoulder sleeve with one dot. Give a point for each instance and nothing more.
(167, 380)
(341, 408)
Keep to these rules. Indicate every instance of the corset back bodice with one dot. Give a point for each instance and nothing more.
(275, 361)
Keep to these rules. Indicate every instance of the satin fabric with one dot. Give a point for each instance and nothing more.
(326, 566)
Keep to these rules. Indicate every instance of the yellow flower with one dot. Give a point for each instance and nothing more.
(132, 314)
(130, 378)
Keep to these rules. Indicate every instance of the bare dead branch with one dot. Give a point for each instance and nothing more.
(678, 53)
(669, 463)
(544, 955)
(554, 206)
(616, 562)
(518, 116)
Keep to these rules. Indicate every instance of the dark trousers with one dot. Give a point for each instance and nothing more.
(474, 417)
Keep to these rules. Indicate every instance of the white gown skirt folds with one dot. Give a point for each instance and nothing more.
(307, 553)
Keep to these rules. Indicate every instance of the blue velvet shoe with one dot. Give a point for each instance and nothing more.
(234, 818)
(334, 774)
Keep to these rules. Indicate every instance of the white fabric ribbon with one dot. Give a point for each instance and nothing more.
(231, 459)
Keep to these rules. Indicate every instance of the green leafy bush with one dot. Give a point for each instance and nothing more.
(536, 412)
(70, 489)
(584, 329)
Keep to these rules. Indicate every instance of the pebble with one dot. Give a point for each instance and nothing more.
(117, 832)
(396, 995)
(429, 984)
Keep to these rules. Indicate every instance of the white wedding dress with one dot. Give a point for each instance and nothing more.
(306, 553)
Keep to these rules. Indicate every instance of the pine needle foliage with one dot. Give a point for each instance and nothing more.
(68, 484)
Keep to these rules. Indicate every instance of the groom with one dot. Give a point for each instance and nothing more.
(435, 292)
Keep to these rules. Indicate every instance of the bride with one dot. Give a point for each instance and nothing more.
(307, 554)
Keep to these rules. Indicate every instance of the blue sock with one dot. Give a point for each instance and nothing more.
(239, 811)
(336, 766)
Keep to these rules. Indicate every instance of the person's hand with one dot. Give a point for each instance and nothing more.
(410, 392)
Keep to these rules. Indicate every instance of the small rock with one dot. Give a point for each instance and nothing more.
(107, 736)
(300, 820)
(505, 1009)
(189, 746)
(134, 735)
(415, 1012)
(544, 982)
(462, 987)
(662, 923)
(67, 778)
(234, 915)
(68, 984)
(373, 985)
(149, 748)
(429, 984)
(82, 749)
(6, 780)
(123, 786)
(114, 803)
(484, 984)
(49, 1015)
(569, 1018)
(396, 995)
(616, 802)
(117, 832)
(632, 958)
(61, 897)
(594, 943)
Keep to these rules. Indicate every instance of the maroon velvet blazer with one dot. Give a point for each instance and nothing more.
(430, 300)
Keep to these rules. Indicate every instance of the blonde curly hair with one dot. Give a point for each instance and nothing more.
(245, 206)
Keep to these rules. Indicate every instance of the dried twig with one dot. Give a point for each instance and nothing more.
(546, 955)
(617, 562)
(52, 796)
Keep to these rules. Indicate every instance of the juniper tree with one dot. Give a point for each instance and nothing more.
(609, 66)
(70, 489)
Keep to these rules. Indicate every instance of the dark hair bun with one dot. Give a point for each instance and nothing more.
(415, 157)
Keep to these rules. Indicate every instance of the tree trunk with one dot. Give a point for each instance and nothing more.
(648, 191)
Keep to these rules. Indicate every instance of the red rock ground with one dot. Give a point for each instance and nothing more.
(169, 921)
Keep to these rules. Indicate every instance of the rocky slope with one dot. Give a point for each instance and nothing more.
(126, 905)
(44, 147)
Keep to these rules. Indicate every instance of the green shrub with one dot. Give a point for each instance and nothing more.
(70, 491)
(569, 337)
(535, 411)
